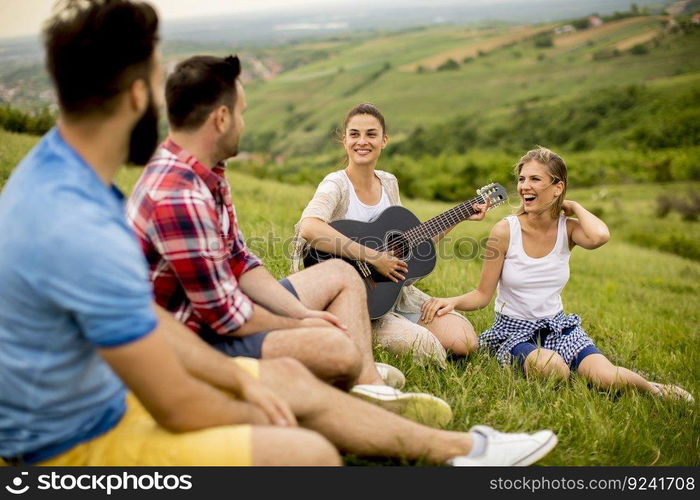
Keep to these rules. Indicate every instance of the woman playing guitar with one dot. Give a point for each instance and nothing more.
(360, 192)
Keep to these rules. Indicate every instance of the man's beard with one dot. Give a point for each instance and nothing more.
(225, 146)
(144, 136)
(226, 149)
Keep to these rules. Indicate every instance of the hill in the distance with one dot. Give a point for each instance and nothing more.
(489, 75)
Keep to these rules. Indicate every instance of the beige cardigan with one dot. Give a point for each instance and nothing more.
(330, 203)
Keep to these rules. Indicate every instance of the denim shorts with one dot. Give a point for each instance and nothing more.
(522, 350)
(249, 346)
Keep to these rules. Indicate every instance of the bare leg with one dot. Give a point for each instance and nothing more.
(546, 363)
(399, 335)
(456, 334)
(284, 446)
(336, 287)
(604, 375)
(353, 425)
(326, 352)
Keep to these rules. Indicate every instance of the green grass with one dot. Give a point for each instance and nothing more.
(640, 305)
(12, 148)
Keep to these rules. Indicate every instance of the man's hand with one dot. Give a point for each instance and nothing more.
(275, 408)
(322, 318)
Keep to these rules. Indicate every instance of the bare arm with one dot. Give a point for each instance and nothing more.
(271, 296)
(216, 369)
(262, 319)
(265, 290)
(496, 249)
(325, 238)
(588, 231)
(153, 372)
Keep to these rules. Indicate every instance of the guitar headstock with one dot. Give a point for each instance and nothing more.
(494, 192)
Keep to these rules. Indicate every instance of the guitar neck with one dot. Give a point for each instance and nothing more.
(440, 223)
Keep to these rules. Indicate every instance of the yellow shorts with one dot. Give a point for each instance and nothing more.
(138, 440)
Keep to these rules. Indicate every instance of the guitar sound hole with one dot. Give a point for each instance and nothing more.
(398, 245)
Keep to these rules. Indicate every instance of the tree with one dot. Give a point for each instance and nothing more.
(544, 40)
(449, 65)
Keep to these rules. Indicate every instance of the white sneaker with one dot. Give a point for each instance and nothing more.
(391, 375)
(672, 392)
(419, 407)
(508, 449)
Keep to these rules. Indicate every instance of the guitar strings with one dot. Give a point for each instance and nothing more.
(422, 231)
(452, 216)
(435, 223)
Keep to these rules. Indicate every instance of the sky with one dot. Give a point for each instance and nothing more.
(25, 17)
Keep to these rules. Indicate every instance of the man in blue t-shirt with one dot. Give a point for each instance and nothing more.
(76, 304)
(78, 324)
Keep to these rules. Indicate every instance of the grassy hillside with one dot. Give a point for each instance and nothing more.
(639, 304)
(619, 101)
(500, 71)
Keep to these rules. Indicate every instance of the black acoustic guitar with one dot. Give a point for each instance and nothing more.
(397, 230)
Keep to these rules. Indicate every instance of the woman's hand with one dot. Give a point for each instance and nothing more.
(569, 207)
(436, 306)
(481, 210)
(390, 266)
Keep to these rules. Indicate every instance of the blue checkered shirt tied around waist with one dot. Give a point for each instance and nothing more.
(507, 332)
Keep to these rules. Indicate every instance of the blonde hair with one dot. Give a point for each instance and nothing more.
(556, 168)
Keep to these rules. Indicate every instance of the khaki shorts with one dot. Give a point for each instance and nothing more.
(138, 440)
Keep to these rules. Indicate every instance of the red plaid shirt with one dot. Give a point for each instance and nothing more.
(178, 210)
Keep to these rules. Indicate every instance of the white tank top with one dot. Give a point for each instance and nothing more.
(531, 288)
(365, 213)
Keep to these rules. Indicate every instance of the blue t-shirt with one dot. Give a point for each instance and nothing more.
(72, 279)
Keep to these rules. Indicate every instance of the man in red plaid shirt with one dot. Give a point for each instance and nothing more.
(203, 273)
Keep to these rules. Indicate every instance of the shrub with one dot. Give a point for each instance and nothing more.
(580, 24)
(543, 40)
(664, 204)
(35, 123)
(688, 208)
(639, 50)
(449, 65)
(676, 243)
(605, 54)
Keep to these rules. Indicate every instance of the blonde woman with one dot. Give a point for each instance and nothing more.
(529, 269)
